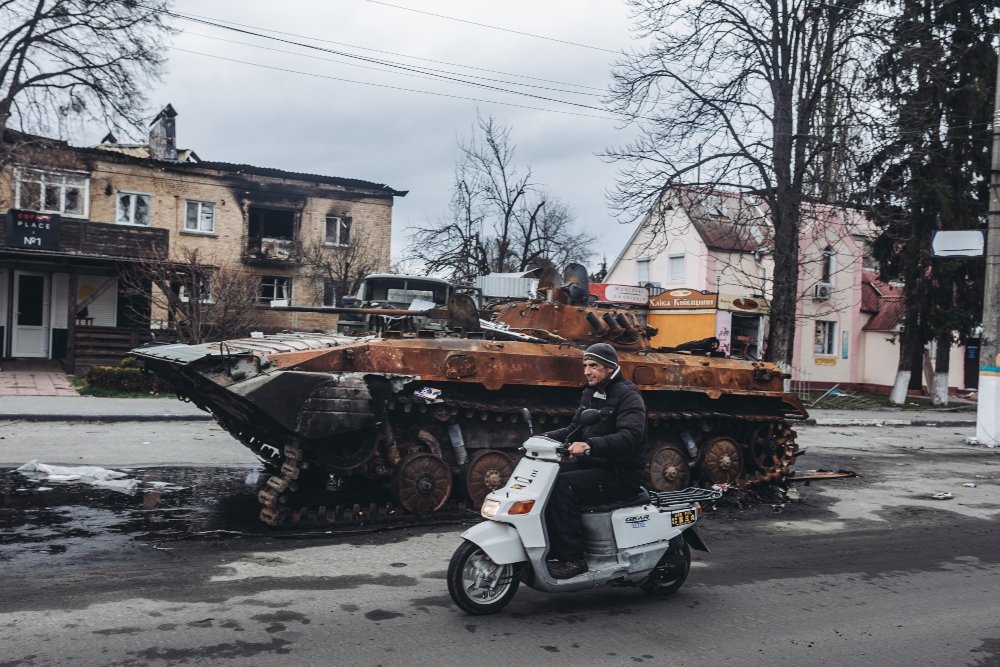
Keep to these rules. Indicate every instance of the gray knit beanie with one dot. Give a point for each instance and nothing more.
(603, 354)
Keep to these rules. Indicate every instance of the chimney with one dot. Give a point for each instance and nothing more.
(163, 135)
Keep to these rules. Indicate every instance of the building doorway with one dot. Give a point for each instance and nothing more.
(30, 333)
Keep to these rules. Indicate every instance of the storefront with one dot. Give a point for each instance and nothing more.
(60, 276)
(742, 325)
(682, 315)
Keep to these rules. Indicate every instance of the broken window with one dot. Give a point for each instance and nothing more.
(200, 217)
(272, 223)
(274, 287)
(204, 289)
(63, 192)
(329, 292)
(338, 230)
(826, 337)
(133, 209)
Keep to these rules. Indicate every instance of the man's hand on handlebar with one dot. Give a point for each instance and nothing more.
(578, 449)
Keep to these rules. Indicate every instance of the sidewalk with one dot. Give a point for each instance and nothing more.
(88, 408)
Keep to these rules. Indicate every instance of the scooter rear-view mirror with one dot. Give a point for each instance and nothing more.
(589, 417)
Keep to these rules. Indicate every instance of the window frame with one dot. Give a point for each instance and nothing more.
(670, 267)
(20, 177)
(201, 204)
(205, 291)
(644, 262)
(343, 222)
(273, 281)
(132, 207)
(830, 337)
(828, 267)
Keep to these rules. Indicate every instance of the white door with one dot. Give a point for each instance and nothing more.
(31, 315)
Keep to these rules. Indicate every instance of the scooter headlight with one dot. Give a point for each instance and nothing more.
(490, 508)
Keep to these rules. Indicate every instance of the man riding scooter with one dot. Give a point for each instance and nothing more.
(607, 456)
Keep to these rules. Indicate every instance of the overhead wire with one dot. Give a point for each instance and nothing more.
(390, 87)
(399, 66)
(492, 27)
(186, 15)
(376, 69)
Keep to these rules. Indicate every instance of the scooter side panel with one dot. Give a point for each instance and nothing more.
(644, 524)
(500, 541)
(532, 479)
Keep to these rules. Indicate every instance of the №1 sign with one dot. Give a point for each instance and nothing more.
(28, 229)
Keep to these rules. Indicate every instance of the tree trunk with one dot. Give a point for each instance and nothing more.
(907, 342)
(942, 364)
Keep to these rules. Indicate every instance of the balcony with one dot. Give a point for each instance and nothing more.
(264, 251)
(82, 238)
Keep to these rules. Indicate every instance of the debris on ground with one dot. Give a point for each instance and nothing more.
(941, 495)
(970, 485)
(101, 478)
(808, 475)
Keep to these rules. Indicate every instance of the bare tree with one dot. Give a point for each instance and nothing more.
(340, 269)
(499, 220)
(745, 96)
(78, 58)
(191, 298)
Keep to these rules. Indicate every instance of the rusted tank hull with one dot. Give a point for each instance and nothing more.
(420, 413)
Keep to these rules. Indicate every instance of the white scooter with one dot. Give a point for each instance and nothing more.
(644, 541)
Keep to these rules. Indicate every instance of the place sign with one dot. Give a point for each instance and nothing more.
(684, 299)
(629, 294)
(29, 229)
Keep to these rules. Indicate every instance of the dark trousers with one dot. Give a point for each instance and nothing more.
(575, 488)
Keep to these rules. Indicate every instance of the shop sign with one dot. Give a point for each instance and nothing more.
(826, 361)
(630, 294)
(28, 229)
(684, 299)
(744, 304)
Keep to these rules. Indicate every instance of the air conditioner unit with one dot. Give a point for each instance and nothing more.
(822, 291)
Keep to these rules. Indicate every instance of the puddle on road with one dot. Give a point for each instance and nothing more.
(75, 519)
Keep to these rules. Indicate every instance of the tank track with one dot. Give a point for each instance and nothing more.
(277, 497)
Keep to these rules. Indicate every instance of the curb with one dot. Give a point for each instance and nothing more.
(888, 422)
(104, 418)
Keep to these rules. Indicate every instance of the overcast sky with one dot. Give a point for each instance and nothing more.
(330, 114)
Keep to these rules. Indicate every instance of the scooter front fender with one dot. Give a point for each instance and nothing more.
(500, 541)
(693, 539)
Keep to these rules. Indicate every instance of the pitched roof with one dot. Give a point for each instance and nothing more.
(727, 221)
(300, 176)
(890, 315)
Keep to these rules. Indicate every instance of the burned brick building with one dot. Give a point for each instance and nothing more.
(77, 218)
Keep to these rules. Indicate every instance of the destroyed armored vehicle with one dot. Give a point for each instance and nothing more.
(436, 414)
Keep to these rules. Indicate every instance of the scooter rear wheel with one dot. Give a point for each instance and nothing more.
(477, 584)
(671, 572)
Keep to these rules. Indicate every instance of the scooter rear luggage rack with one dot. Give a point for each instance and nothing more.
(688, 495)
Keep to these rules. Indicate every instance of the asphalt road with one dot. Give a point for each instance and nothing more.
(870, 570)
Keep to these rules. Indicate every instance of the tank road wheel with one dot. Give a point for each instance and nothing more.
(668, 469)
(722, 461)
(671, 572)
(477, 584)
(486, 471)
(422, 483)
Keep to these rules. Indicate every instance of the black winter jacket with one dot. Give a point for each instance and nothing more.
(616, 442)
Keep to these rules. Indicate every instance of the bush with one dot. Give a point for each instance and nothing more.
(126, 377)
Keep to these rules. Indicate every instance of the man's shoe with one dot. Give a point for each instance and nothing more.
(567, 569)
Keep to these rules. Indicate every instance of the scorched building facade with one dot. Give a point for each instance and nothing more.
(80, 219)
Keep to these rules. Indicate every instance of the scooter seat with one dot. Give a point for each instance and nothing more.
(641, 498)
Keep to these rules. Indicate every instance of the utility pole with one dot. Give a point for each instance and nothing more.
(988, 411)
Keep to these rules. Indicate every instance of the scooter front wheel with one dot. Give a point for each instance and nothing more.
(477, 584)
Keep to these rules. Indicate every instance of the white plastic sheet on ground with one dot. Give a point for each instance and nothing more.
(93, 475)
